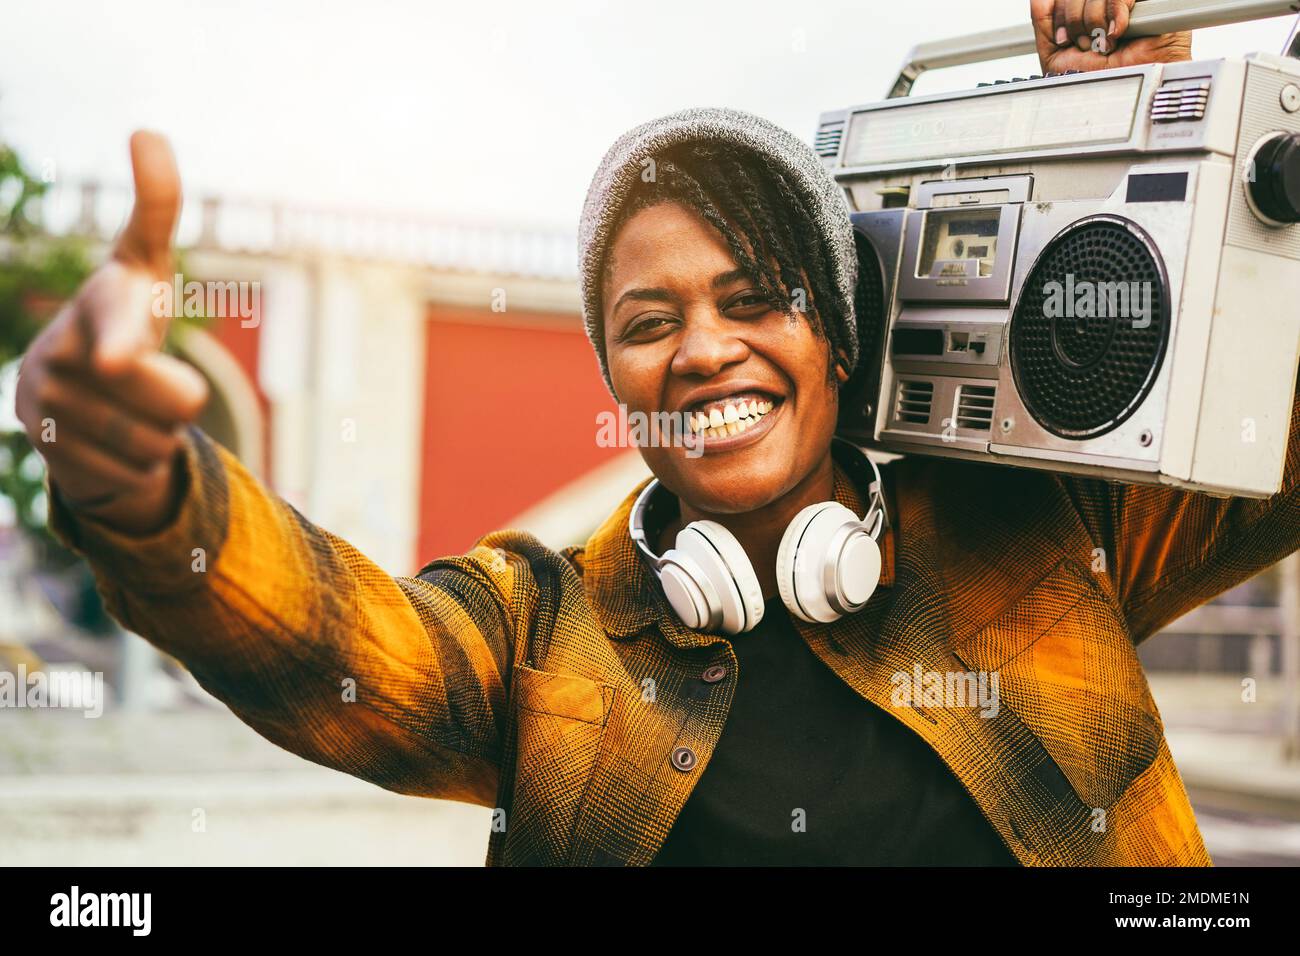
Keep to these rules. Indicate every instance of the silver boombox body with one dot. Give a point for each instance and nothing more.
(1095, 273)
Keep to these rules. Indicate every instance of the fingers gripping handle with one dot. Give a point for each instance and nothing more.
(1149, 18)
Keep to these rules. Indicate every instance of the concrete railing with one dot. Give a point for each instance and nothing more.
(262, 227)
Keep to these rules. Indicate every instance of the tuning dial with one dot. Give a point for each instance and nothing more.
(1274, 187)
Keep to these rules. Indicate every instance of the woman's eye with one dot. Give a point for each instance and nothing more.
(751, 302)
(646, 326)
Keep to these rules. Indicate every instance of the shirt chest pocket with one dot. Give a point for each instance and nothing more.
(1068, 669)
(560, 724)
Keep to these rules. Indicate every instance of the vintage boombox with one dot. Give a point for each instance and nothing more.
(1096, 273)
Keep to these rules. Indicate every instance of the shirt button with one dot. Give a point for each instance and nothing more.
(683, 758)
(714, 674)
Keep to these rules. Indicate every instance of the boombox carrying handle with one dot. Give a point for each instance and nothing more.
(1149, 18)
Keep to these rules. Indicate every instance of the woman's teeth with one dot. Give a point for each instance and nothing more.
(729, 419)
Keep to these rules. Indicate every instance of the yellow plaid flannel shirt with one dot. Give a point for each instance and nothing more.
(557, 686)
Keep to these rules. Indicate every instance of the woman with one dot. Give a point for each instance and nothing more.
(563, 689)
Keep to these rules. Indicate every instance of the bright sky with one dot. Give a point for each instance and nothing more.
(490, 110)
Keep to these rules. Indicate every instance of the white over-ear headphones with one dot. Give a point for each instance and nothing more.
(828, 564)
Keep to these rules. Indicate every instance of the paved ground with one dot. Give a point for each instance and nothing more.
(307, 818)
(1245, 839)
(200, 788)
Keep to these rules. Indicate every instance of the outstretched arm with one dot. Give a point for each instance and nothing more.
(401, 681)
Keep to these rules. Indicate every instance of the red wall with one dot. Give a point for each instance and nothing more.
(245, 345)
(509, 417)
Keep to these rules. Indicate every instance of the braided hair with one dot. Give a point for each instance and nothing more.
(757, 210)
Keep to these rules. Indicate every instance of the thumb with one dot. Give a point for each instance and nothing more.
(146, 240)
(115, 311)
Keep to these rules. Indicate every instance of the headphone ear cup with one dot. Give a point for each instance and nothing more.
(809, 576)
(689, 592)
(726, 567)
(785, 555)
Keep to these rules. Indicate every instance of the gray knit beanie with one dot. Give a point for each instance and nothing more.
(623, 164)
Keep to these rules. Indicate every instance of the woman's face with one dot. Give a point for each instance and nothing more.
(686, 331)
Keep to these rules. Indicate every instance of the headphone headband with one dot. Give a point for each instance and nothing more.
(852, 458)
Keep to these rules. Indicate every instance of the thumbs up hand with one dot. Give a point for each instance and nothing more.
(103, 406)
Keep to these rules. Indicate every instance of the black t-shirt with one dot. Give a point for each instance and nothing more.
(872, 792)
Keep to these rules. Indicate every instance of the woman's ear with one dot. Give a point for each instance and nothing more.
(841, 365)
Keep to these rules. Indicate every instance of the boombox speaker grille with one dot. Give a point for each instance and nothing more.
(868, 298)
(869, 305)
(1082, 369)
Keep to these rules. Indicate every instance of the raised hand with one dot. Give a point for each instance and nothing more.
(1089, 35)
(99, 401)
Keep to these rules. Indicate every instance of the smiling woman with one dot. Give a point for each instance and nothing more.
(721, 276)
(725, 293)
(778, 586)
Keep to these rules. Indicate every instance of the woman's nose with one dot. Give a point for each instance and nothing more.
(708, 346)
